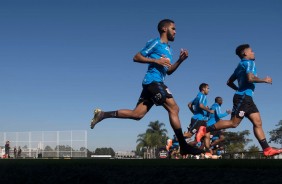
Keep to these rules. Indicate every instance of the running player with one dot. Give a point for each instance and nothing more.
(198, 106)
(217, 115)
(157, 54)
(213, 118)
(243, 104)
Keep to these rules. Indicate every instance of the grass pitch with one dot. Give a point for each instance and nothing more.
(126, 171)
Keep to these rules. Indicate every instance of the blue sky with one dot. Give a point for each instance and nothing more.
(61, 59)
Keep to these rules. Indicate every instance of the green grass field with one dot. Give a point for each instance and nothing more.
(140, 171)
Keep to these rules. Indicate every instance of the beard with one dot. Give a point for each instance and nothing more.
(170, 37)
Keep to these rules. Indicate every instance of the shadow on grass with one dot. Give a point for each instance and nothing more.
(139, 171)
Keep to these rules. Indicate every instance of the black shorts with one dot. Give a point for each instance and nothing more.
(243, 105)
(195, 125)
(216, 133)
(154, 93)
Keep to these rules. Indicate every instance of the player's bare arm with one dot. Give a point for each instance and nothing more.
(254, 79)
(183, 55)
(206, 108)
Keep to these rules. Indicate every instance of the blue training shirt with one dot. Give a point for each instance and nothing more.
(217, 115)
(199, 113)
(156, 49)
(240, 73)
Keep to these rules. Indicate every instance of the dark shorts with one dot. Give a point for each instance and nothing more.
(243, 105)
(195, 125)
(154, 93)
(216, 133)
(215, 136)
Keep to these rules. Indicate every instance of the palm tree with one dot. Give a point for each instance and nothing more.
(154, 138)
(142, 146)
(156, 127)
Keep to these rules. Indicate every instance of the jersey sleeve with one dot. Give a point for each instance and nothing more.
(202, 99)
(250, 67)
(149, 48)
(219, 114)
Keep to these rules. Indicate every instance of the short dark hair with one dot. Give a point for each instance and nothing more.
(217, 98)
(203, 85)
(240, 50)
(164, 23)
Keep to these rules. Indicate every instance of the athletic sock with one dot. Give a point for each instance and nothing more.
(211, 128)
(110, 114)
(263, 143)
(180, 137)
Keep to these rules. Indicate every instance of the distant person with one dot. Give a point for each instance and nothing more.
(15, 152)
(7, 149)
(157, 54)
(243, 104)
(19, 152)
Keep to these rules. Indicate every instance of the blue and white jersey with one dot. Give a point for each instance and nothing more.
(217, 115)
(240, 73)
(199, 113)
(156, 49)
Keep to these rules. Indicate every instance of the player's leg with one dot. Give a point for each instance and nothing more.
(191, 130)
(232, 123)
(221, 124)
(173, 110)
(207, 141)
(207, 144)
(144, 104)
(136, 114)
(257, 125)
(252, 113)
(238, 113)
(160, 95)
(218, 141)
(259, 134)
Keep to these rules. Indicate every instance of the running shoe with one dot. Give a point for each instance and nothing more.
(201, 133)
(97, 118)
(271, 151)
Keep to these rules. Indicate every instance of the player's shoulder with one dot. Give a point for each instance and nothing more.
(215, 105)
(153, 41)
(246, 62)
(199, 95)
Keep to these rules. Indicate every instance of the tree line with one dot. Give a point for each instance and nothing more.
(156, 135)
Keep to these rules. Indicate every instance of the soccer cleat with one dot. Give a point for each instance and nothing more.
(187, 149)
(96, 119)
(271, 151)
(201, 133)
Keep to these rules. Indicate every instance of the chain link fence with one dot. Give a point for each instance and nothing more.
(45, 144)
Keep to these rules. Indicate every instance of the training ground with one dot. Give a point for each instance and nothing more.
(147, 171)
